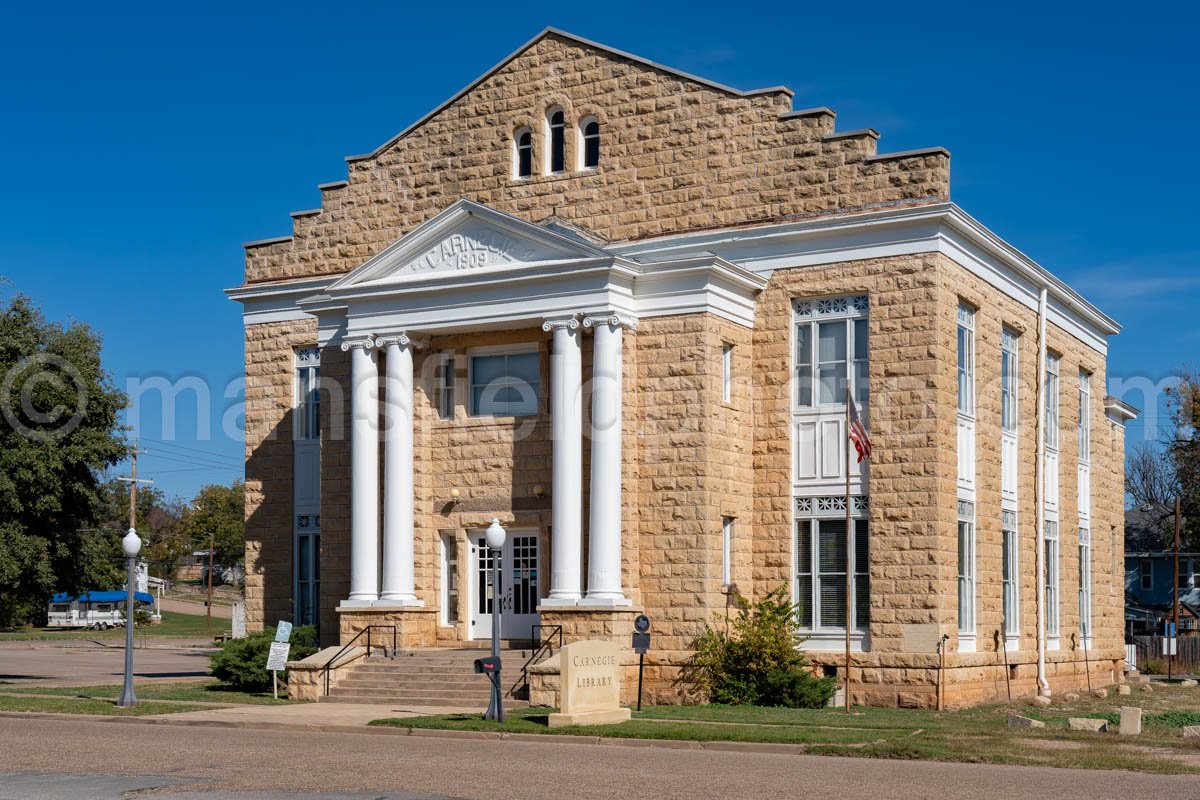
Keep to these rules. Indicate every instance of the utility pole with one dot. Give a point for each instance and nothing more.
(208, 609)
(1171, 643)
(133, 482)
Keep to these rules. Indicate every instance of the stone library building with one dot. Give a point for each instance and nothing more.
(620, 308)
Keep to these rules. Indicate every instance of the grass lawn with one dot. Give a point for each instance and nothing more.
(173, 624)
(973, 735)
(66, 705)
(196, 691)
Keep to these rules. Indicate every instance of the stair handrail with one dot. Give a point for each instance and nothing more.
(544, 645)
(329, 664)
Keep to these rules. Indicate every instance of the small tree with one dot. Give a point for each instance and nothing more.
(757, 660)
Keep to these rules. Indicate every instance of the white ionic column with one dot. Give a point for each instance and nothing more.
(604, 520)
(399, 587)
(364, 471)
(566, 430)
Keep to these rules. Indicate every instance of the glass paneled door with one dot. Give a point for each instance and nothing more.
(518, 590)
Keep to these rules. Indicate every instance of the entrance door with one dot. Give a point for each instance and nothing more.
(518, 591)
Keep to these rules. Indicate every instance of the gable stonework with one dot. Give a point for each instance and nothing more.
(677, 155)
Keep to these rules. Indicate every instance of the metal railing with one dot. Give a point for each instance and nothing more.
(367, 630)
(545, 644)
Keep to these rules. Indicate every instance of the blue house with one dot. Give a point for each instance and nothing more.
(1150, 575)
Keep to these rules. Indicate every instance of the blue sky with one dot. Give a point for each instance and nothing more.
(142, 146)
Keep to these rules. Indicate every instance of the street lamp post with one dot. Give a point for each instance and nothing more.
(495, 537)
(131, 544)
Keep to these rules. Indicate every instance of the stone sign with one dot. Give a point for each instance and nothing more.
(590, 675)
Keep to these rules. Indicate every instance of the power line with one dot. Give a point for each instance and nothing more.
(192, 449)
(193, 461)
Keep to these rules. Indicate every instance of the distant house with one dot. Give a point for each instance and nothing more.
(1150, 576)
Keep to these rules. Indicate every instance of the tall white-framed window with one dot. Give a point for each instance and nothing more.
(727, 526)
(1085, 416)
(1010, 573)
(831, 352)
(522, 153)
(966, 360)
(504, 381)
(1052, 389)
(966, 570)
(1052, 570)
(308, 569)
(445, 384)
(589, 138)
(449, 579)
(1009, 410)
(1085, 583)
(822, 557)
(727, 373)
(556, 133)
(308, 395)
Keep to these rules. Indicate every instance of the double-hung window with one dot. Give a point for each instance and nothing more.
(1008, 381)
(1085, 413)
(832, 352)
(966, 567)
(1052, 366)
(966, 361)
(556, 135)
(504, 384)
(308, 395)
(1010, 573)
(1146, 574)
(1052, 594)
(1085, 582)
(445, 385)
(822, 558)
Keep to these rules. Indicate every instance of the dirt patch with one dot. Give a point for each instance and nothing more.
(1054, 744)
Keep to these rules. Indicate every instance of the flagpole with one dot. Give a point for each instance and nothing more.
(849, 549)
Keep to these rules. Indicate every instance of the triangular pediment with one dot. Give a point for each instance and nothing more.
(467, 236)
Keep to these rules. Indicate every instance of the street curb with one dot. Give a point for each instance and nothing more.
(432, 733)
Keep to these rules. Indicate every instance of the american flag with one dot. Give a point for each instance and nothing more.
(858, 433)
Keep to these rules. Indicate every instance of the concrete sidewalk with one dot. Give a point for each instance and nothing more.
(305, 716)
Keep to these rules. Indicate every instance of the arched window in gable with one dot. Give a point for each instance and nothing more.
(589, 138)
(522, 153)
(556, 137)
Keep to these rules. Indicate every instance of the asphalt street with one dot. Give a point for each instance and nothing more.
(220, 763)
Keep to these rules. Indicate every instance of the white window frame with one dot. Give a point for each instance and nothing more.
(1010, 362)
(447, 400)
(1085, 417)
(727, 373)
(583, 138)
(815, 511)
(1053, 596)
(727, 531)
(307, 409)
(811, 314)
(967, 565)
(1053, 365)
(550, 128)
(1010, 566)
(450, 576)
(526, 348)
(965, 345)
(1085, 584)
(516, 154)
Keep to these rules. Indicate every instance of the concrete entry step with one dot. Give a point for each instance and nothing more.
(433, 677)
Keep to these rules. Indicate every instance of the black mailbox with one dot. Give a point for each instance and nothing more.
(488, 666)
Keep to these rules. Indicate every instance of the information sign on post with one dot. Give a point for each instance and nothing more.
(277, 660)
(641, 643)
(283, 632)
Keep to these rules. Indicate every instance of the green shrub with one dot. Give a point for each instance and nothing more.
(754, 659)
(242, 663)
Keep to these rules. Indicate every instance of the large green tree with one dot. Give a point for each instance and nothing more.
(59, 431)
(163, 540)
(221, 511)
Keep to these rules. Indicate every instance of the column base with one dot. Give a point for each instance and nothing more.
(396, 601)
(558, 602)
(603, 601)
(357, 603)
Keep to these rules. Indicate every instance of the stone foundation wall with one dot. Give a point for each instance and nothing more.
(414, 627)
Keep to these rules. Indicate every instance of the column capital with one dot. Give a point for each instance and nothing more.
(358, 343)
(614, 318)
(403, 339)
(570, 323)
